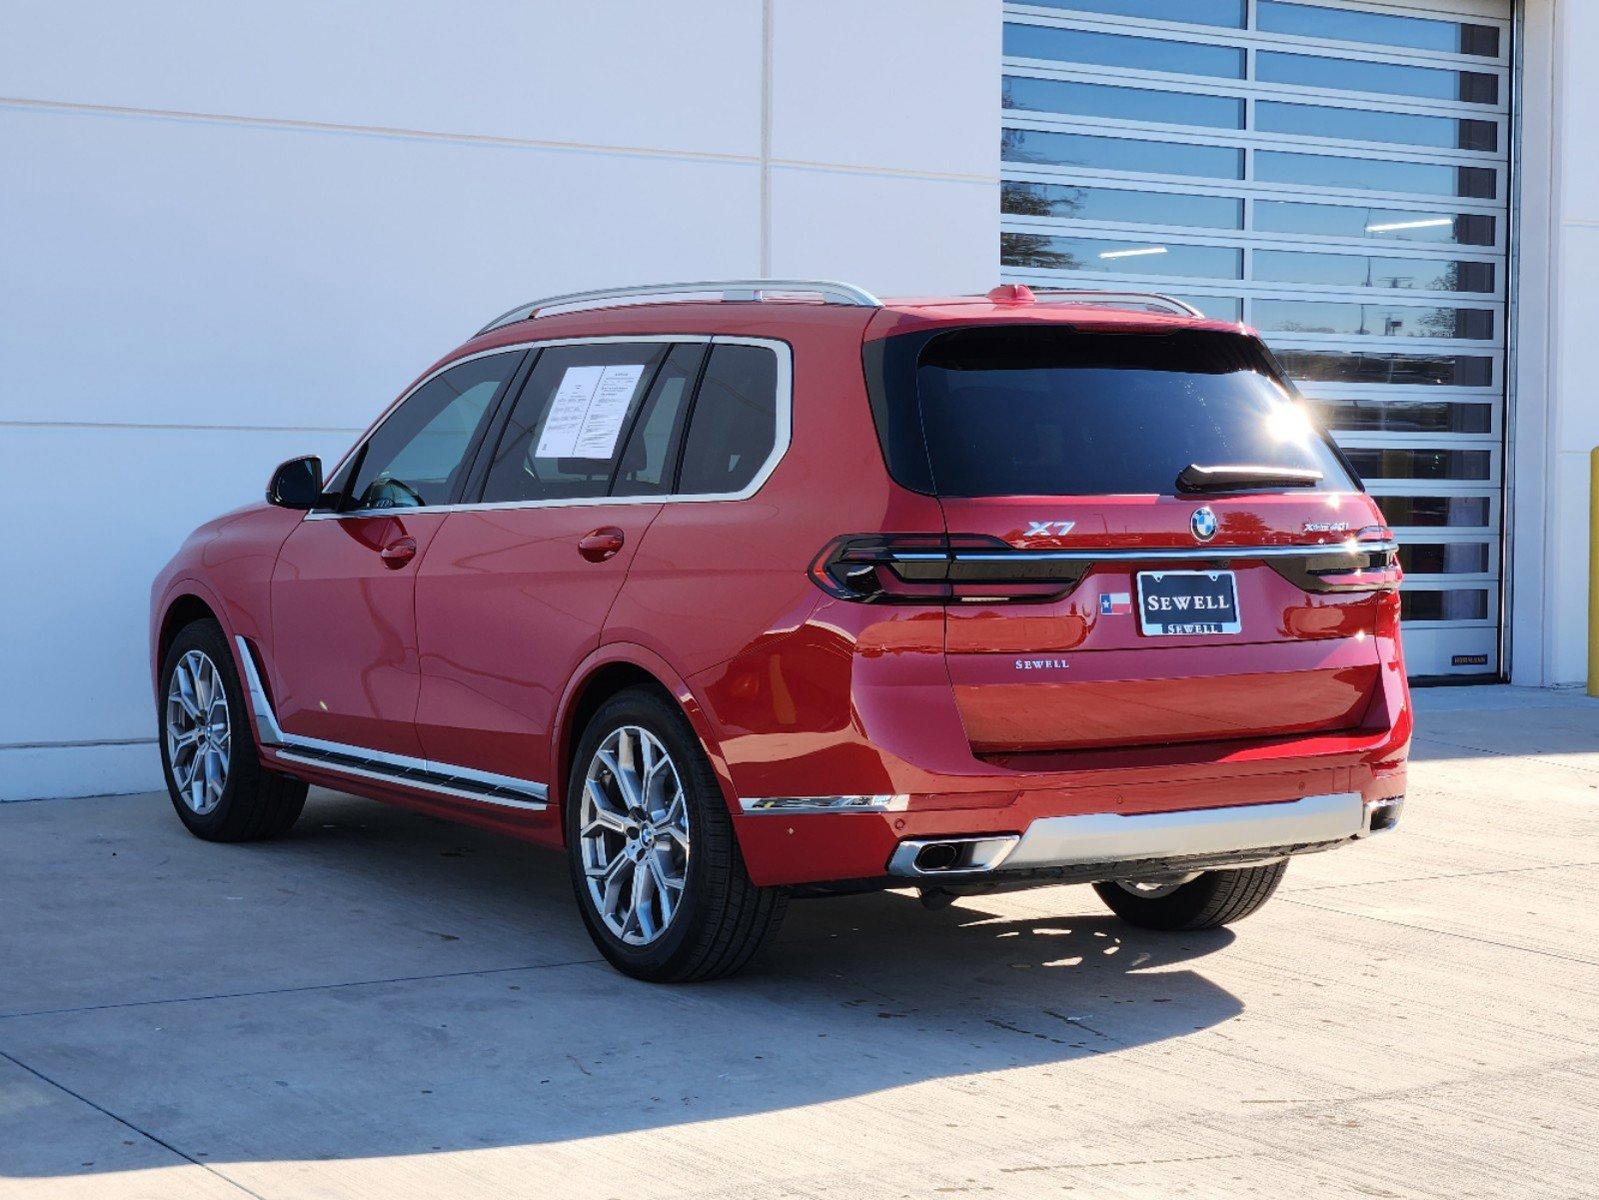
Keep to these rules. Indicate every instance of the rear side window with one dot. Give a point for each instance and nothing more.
(733, 428)
(1039, 412)
(564, 434)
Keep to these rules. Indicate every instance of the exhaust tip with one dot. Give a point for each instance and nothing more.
(952, 856)
(938, 856)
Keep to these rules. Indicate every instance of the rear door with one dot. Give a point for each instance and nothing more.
(517, 586)
(1162, 487)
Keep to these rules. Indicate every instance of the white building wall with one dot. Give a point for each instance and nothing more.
(232, 234)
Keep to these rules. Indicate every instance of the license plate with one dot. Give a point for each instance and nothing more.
(1187, 602)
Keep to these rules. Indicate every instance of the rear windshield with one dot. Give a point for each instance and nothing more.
(1027, 411)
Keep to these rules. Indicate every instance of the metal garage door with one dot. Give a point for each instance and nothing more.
(1333, 172)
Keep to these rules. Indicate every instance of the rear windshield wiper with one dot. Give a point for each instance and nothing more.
(1197, 478)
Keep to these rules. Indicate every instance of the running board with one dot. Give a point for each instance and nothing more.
(463, 783)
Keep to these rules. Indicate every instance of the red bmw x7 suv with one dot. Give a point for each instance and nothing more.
(745, 591)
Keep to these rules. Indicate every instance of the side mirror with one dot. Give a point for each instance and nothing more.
(296, 483)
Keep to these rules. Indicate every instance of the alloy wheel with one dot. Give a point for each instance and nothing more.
(199, 731)
(634, 835)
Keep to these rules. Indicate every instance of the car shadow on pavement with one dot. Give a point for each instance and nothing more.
(382, 984)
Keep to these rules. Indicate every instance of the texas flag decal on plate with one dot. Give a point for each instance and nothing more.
(1115, 604)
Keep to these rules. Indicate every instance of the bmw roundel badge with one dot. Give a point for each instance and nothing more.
(1203, 523)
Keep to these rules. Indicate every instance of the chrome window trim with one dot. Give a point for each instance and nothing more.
(273, 736)
(783, 438)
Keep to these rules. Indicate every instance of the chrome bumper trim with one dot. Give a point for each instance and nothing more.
(823, 804)
(1113, 838)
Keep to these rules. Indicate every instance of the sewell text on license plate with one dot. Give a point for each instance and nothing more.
(1187, 602)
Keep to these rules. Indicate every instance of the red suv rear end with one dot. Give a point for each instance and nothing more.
(747, 591)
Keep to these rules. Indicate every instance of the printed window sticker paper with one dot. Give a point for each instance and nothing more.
(588, 411)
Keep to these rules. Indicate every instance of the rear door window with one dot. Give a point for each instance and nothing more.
(1040, 412)
(563, 437)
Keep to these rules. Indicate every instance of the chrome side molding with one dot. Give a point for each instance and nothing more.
(823, 804)
(445, 779)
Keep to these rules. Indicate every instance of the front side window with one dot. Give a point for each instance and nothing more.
(415, 458)
(562, 439)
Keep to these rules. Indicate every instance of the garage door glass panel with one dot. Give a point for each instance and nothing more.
(1121, 103)
(1383, 224)
(1364, 228)
(1118, 204)
(1171, 56)
(1137, 258)
(1400, 370)
(1354, 75)
(1372, 271)
(1420, 33)
(1193, 12)
(1373, 320)
(1405, 416)
(1376, 174)
(1365, 125)
(1120, 154)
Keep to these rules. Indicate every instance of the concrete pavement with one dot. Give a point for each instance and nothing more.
(382, 1005)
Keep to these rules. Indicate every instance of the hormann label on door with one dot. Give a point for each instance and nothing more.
(588, 410)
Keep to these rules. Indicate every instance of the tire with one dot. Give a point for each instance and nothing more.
(1214, 899)
(252, 802)
(718, 920)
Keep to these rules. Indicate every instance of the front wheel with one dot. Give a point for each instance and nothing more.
(1206, 901)
(654, 861)
(214, 775)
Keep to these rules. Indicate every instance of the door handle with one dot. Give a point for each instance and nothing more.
(600, 544)
(398, 552)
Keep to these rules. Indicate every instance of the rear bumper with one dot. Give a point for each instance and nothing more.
(1115, 845)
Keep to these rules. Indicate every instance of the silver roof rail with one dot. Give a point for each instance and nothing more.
(829, 291)
(1153, 301)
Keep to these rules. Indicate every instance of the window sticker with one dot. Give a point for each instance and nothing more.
(587, 413)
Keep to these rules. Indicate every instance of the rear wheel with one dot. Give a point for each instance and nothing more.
(214, 775)
(1208, 900)
(654, 861)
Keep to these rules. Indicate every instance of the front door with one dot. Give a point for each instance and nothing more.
(343, 660)
(516, 588)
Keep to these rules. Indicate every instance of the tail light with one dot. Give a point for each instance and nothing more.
(916, 568)
(1367, 562)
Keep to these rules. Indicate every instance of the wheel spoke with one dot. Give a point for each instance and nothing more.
(643, 894)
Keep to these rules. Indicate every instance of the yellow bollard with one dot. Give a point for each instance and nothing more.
(1593, 573)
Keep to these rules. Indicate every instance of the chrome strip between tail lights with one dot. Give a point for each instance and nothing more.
(1148, 554)
(428, 775)
(823, 804)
